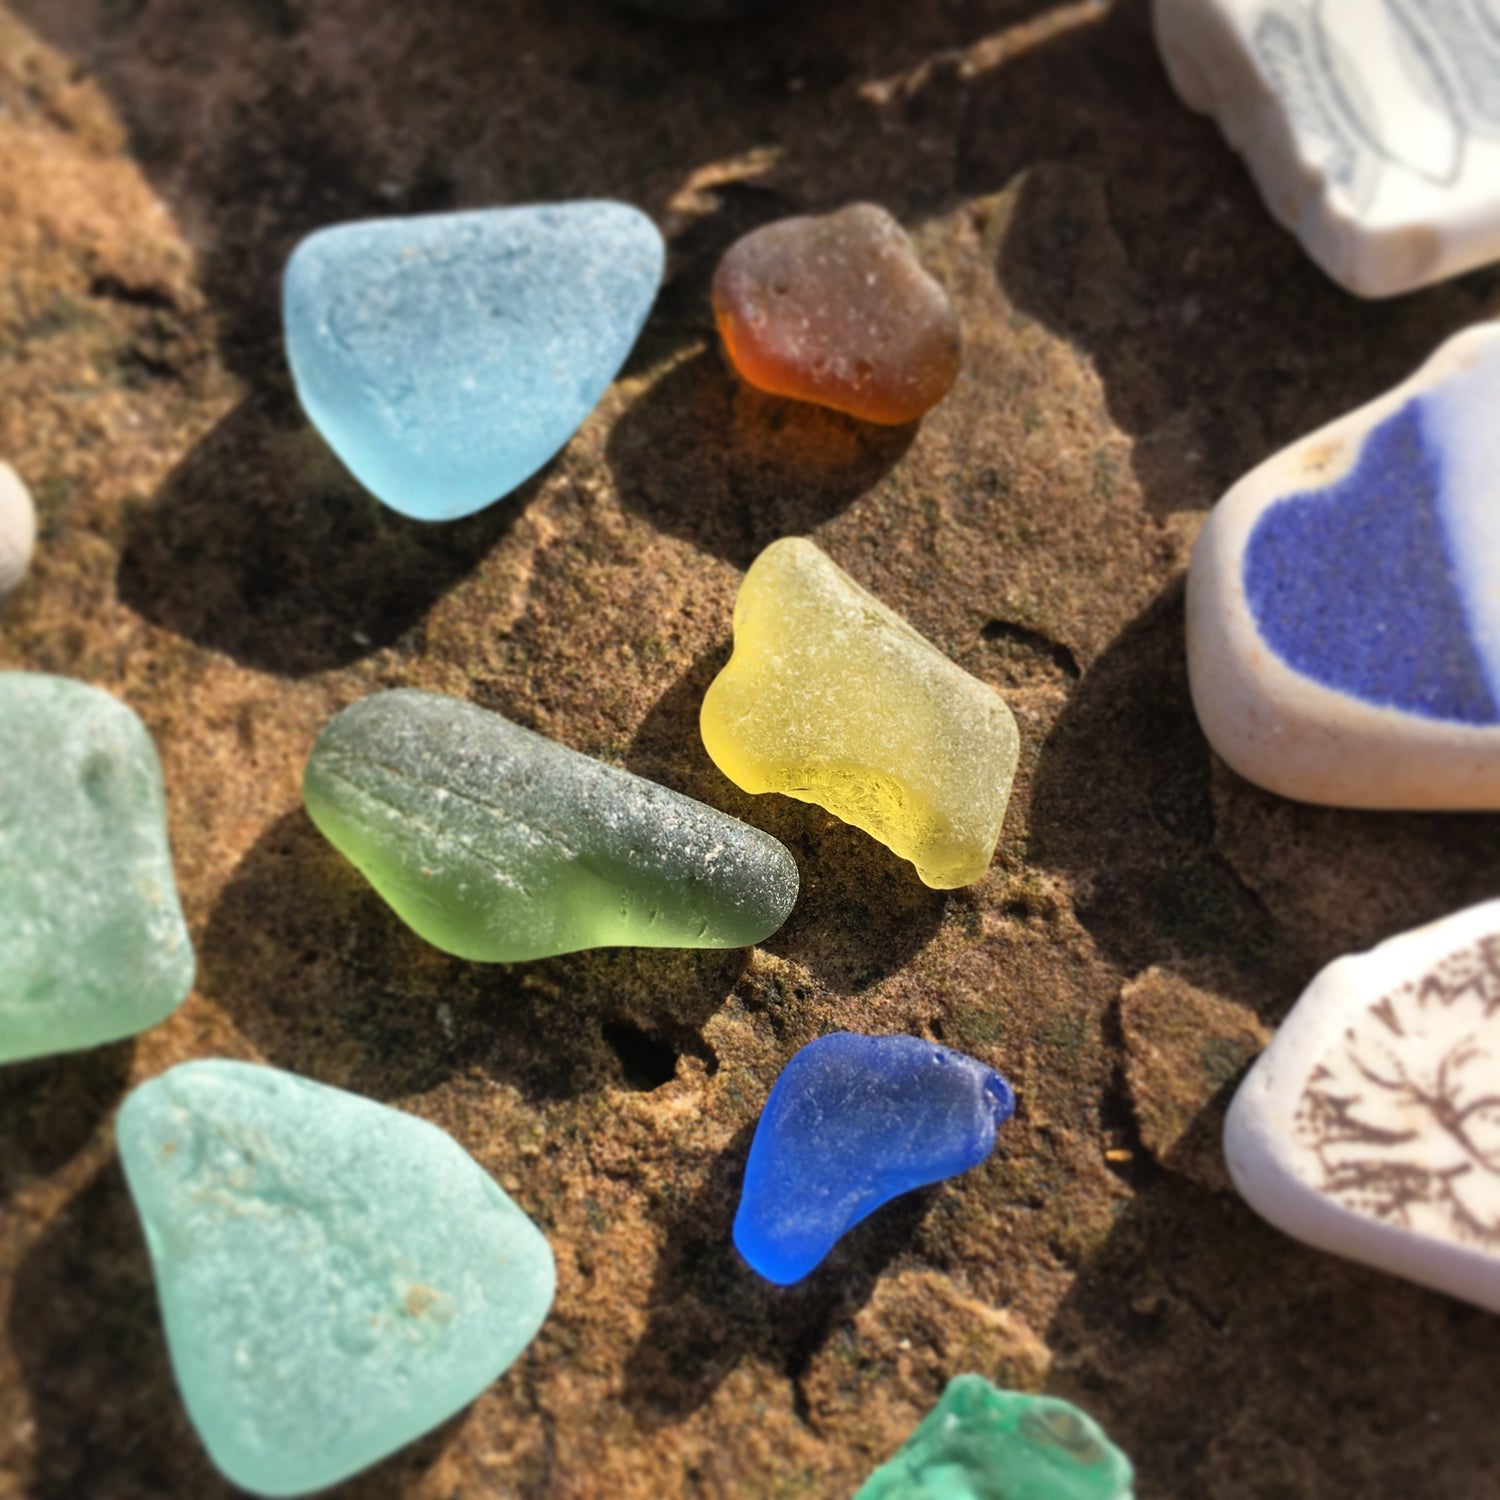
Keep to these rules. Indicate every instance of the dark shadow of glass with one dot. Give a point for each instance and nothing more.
(703, 456)
(262, 546)
(51, 1106)
(1122, 805)
(325, 980)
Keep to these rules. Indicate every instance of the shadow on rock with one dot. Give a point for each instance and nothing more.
(706, 457)
(1122, 805)
(1285, 1345)
(1137, 235)
(87, 1334)
(261, 545)
(109, 1420)
(326, 980)
(708, 1311)
(51, 1106)
(861, 913)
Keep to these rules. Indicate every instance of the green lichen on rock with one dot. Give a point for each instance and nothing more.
(93, 946)
(981, 1443)
(498, 845)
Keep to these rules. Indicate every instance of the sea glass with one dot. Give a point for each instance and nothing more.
(833, 698)
(496, 844)
(852, 1122)
(336, 1277)
(93, 946)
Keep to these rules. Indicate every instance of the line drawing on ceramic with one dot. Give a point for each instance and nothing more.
(1426, 80)
(1400, 1121)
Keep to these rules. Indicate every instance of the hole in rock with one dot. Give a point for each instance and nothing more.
(646, 1062)
(1034, 642)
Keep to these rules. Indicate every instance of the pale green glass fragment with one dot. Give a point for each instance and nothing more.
(982, 1443)
(92, 942)
(336, 1277)
(497, 845)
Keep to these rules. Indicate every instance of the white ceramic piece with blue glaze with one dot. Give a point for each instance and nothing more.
(1370, 1127)
(1343, 611)
(1372, 127)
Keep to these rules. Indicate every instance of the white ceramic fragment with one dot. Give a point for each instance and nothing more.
(1372, 126)
(1343, 608)
(17, 529)
(1370, 1127)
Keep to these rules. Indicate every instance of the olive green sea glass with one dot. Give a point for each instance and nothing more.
(497, 845)
(336, 1277)
(92, 942)
(981, 1443)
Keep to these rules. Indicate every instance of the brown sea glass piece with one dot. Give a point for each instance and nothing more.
(836, 309)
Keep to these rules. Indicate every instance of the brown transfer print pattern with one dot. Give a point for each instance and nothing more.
(1401, 1120)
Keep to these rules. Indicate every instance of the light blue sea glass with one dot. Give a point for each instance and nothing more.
(92, 942)
(853, 1122)
(447, 357)
(336, 1277)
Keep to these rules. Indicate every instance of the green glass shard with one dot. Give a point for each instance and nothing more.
(497, 845)
(981, 1443)
(92, 942)
(335, 1277)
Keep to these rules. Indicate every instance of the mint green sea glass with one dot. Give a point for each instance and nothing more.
(336, 1277)
(92, 942)
(498, 845)
(981, 1443)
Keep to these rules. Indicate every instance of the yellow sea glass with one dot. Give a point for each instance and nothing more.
(832, 698)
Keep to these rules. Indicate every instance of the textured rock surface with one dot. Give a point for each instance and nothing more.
(1138, 334)
(335, 1277)
(497, 844)
(92, 942)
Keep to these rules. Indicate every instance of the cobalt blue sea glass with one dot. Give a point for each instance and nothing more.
(447, 357)
(1383, 584)
(853, 1122)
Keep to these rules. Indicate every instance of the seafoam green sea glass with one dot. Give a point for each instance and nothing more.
(498, 845)
(336, 1277)
(92, 942)
(981, 1443)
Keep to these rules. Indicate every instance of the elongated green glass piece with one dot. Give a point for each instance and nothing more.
(982, 1443)
(497, 845)
(92, 942)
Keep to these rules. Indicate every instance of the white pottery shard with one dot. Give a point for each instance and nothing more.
(1372, 127)
(17, 530)
(1343, 603)
(1370, 1127)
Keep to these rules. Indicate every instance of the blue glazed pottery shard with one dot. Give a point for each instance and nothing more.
(852, 1122)
(336, 1277)
(1344, 601)
(447, 357)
